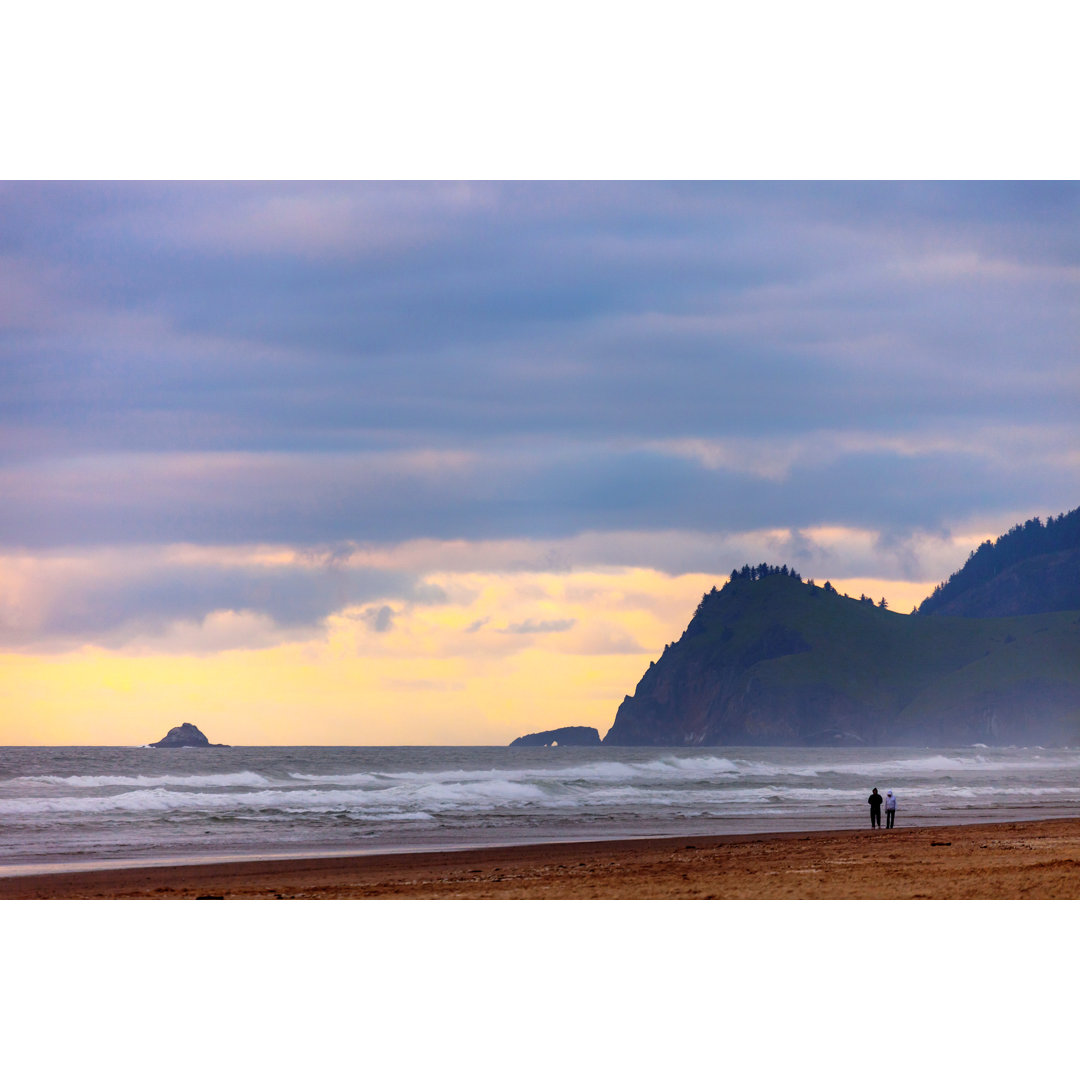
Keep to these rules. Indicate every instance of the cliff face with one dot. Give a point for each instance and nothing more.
(784, 663)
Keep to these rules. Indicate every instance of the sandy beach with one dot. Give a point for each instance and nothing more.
(1020, 860)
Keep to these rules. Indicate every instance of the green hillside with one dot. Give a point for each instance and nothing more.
(1034, 567)
(780, 661)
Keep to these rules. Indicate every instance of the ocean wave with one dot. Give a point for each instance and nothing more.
(905, 767)
(490, 795)
(671, 767)
(992, 791)
(330, 797)
(360, 779)
(199, 780)
(595, 771)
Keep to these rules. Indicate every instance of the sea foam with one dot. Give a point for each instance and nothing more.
(200, 780)
(66, 802)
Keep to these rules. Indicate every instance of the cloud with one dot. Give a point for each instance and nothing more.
(551, 491)
(293, 317)
(112, 597)
(539, 626)
(567, 370)
(198, 598)
(380, 619)
(295, 445)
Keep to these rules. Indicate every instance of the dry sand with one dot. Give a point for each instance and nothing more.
(1021, 860)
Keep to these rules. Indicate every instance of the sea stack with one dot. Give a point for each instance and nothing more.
(185, 735)
(564, 736)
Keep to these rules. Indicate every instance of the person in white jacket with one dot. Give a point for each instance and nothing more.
(890, 809)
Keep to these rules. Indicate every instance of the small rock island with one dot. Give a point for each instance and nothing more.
(564, 736)
(185, 735)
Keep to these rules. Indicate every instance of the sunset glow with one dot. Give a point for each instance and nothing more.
(379, 463)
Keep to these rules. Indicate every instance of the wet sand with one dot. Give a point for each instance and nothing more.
(1021, 860)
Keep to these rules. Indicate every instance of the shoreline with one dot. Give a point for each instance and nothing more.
(1005, 860)
(205, 858)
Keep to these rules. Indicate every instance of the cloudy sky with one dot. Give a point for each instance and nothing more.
(444, 463)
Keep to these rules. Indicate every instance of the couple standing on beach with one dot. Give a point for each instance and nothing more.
(875, 801)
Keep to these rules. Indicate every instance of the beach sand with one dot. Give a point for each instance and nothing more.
(1021, 860)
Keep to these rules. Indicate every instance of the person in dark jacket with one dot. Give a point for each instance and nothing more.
(875, 801)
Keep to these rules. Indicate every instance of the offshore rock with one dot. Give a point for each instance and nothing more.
(185, 735)
(564, 736)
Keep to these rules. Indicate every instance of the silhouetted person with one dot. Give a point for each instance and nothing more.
(890, 809)
(875, 810)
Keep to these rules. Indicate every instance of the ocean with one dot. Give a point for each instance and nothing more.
(111, 806)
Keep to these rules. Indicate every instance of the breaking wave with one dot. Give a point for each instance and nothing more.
(74, 800)
(239, 779)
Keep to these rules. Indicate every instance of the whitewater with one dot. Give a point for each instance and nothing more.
(89, 806)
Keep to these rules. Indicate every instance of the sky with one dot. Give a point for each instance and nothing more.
(420, 462)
